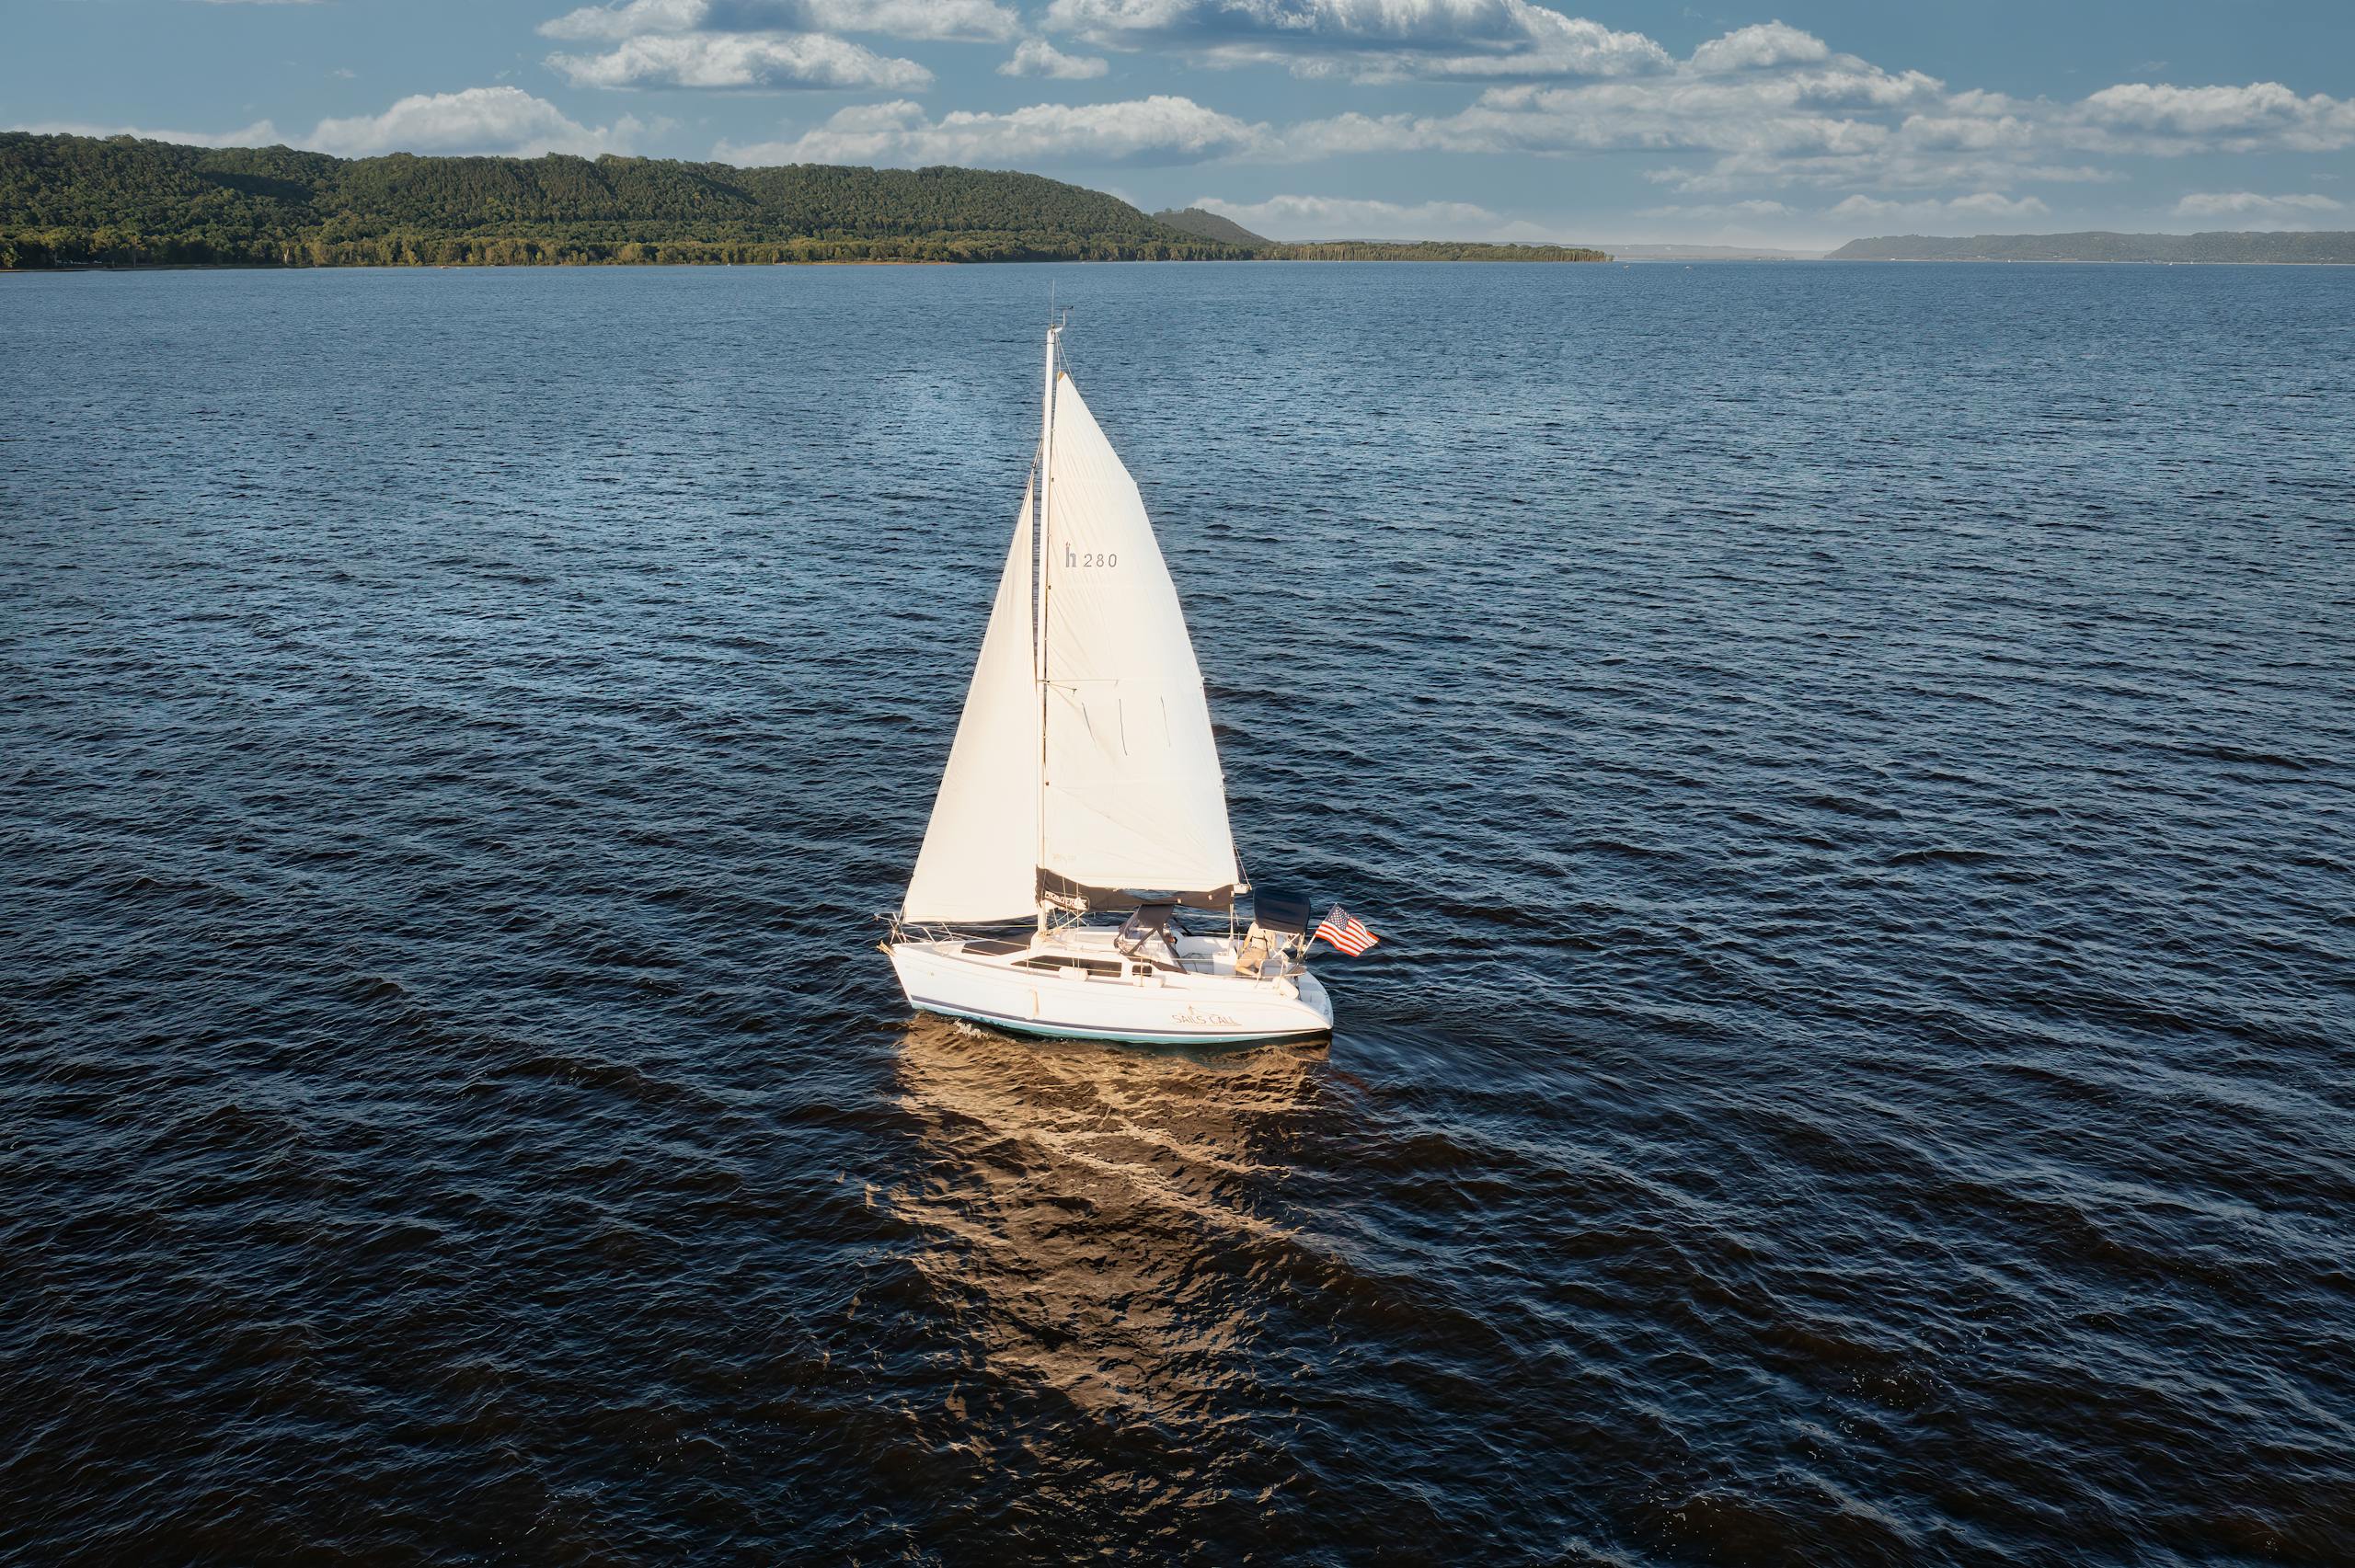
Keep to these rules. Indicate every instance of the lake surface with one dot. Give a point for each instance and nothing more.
(1851, 764)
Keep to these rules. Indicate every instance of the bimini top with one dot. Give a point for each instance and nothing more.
(1280, 912)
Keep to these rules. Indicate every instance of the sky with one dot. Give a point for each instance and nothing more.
(1759, 123)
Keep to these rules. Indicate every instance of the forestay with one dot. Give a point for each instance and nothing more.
(980, 856)
(1135, 797)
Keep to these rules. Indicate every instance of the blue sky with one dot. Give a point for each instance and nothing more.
(1786, 123)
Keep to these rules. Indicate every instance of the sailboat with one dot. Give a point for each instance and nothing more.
(1083, 782)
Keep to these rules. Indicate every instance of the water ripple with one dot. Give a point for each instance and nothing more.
(1852, 765)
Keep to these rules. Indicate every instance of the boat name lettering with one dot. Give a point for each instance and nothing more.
(1196, 1016)
(1090, 557)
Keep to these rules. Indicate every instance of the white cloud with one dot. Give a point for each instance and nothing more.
(984, 21)
(1354, 132)
(748, 61)
(979, 21)
(1774, 107)
(1153, 129)
(1336, 217)
(592, 24)
(260, 133)
(762, 44)
(1763, 96)
(1757, 48)
(1981, 206)
(2304, 211)
(479, 120)
(1839, 109)
(1751, 210)
(2164, 120)
(1037, 57)
(1376, 39)
(1756, 223)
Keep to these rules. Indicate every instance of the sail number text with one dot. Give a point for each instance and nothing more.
(1087, 558)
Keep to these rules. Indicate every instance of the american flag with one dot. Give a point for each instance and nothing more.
(1344, 931)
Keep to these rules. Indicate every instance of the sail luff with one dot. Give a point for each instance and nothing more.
(1046, 472)
(1046, 493)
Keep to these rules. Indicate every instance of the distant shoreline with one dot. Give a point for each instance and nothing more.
(1653, 262)
(2219, 248)
(2058, 261)
(1325, 253)
(79, 268)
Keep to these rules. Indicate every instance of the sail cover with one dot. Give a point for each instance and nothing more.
(1134, 798)
(980, 855)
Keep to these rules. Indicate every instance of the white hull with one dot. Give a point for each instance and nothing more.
(1072, 984)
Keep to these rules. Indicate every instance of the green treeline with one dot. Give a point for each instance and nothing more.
(78, 200)
(117, 246)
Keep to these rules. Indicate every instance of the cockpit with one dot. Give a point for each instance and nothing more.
(1149, 935)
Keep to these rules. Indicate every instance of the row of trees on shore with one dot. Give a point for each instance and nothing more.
(76, 202)
(116, 247)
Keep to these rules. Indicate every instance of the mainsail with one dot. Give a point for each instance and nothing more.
(980, 856)
(1121, 792)
(1134, 798)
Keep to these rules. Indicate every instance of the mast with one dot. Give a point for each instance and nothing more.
(1046, 485)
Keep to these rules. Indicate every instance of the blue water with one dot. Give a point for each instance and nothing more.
(1852, 765)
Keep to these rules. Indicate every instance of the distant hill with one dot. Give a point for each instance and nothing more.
(1210, 225)
(2101, 246)
(79, 201)
(1226, 231)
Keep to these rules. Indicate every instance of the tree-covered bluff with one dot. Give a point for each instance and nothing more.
(78, 200)
(1210, 225)
(74, 199)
